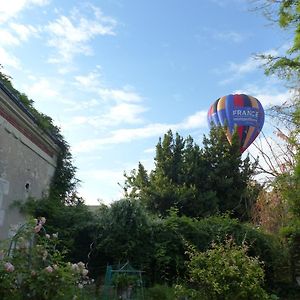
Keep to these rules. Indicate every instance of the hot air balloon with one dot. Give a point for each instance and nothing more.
(238, 112)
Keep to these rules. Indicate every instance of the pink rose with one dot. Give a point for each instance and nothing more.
(9, 267)
(49, 269)
(37, 228)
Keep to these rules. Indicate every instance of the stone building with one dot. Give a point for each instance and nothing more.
(27, 159)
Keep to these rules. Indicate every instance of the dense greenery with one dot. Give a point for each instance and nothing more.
(224, 272)
(32, 267)
(183, 223)
(158, 245)
(197, 181)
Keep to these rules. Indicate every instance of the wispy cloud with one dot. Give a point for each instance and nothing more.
(120, 95)
(229, 36)
(71, 35)
(23, 31)
(8, 60)
(116, 115)
(268, 95)
(238, 70)
(10, 9)
(8, 39)
(43, 89)
(151, 130)
(12, 34)
(89, 81)
(224, 3)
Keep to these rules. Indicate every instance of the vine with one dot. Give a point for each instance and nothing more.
(64, 182)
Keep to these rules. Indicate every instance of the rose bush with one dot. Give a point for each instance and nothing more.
(32, 268)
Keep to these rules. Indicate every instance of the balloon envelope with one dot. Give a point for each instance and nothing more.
(238, 112)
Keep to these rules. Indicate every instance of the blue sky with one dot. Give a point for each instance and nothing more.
(115, 75)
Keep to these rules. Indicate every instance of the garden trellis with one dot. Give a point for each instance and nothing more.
(123, 282)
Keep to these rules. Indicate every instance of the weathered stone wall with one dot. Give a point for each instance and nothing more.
(27, 160)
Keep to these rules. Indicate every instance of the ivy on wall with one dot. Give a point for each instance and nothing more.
(63, 183)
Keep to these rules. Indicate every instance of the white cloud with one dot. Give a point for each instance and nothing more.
(8, 39)
(229, 36)
(23, 31)
(8, 60)
(150, 150)
(199, 119)
(119, 95)
(10, 9)
(274, 156)
(83, 105)
(267, 95)
(42, 89)
(237, 70)
(124, 113)
(71, 35)
(89, 81)
(11, 38)
(109, 181)
(150, 130)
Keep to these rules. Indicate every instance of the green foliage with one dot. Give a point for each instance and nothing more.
(124, 233)
(64, 182)
(198, 182)
(75, 224)
(122, 280)
(158, 246)
(32, 267)
(287, 15)
(224, 272)
(64, 210)
(161, 292)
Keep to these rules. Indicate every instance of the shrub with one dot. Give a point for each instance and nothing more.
(32, 268)
(161, 292)
(226, 272)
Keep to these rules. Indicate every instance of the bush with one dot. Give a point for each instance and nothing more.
(32, 268)
(224, 272)
(161, 292)
(268, 248)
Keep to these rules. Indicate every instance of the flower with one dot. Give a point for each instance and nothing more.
(47, 236)
(81, 265)
(75, 267)
(80, 285)
(55, 235)
(45, 254)
(43, 220)
(37, 228)
(9, 267)
(49, 269)
(84, 272)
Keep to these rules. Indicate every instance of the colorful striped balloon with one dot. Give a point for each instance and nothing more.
(238, 112)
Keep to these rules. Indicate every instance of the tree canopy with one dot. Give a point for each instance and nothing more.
(197, 181)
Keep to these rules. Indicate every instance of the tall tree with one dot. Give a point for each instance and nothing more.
(198, 182)
(286, 14)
